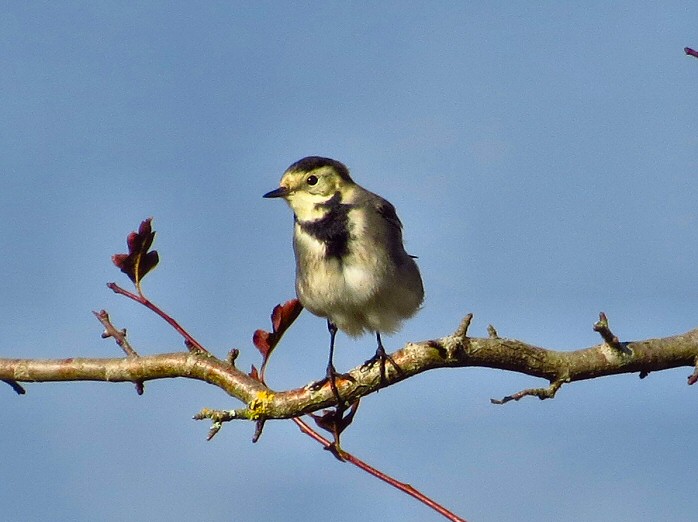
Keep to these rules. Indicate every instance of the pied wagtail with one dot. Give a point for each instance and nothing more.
(351, 266)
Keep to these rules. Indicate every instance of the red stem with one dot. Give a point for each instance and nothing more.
(405, 488)
(191, 343)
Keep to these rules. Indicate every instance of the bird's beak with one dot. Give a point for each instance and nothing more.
(281, 192)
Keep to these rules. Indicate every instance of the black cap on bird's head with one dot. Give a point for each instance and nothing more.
(310, 163)
(295, 174)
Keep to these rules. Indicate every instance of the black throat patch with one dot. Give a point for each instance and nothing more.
(333, 228)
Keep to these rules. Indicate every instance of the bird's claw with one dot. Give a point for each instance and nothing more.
(331, 378)
(381, 357)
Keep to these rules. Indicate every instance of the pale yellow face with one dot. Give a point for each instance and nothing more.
(320, 184)
(304, 190)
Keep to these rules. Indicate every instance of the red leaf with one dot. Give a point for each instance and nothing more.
(254, 373)
(119, 259)
(284, 314)
(261, 341)
(282, 317)
(139, 261)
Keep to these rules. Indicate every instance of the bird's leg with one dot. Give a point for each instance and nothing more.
(331, 371)
(382, 356)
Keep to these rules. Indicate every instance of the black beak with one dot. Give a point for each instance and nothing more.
(278, 193)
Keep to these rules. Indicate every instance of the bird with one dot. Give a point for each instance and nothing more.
(351, 264)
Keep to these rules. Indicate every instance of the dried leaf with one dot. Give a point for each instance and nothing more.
(334, 421)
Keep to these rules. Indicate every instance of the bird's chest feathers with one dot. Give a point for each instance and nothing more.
(328, 233)
(330, 269)
(331, 254)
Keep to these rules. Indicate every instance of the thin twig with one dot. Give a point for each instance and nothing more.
(541, 393)
(111, 331)
(217, 417)
(119, 337)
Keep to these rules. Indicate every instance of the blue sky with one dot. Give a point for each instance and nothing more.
(542, 157)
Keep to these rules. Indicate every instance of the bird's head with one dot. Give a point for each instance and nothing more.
(311, 182)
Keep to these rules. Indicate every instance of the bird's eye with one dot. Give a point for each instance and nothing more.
(311, 180)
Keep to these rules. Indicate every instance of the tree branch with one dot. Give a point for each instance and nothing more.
(454, 351)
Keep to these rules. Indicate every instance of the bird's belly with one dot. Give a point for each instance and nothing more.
(354, 297)
(332, 284)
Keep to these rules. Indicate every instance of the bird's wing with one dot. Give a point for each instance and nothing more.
(387, 212)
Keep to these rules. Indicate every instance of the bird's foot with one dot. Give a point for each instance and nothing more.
(332, 377)
(382, 357)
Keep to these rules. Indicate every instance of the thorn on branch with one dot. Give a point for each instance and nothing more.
(693, 378)
(258, 428)
(232, 356)
(462, 330)
(491, 332)
(541, 393)
(19, 390)
(601, 326)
